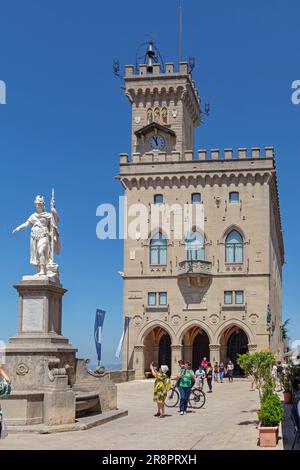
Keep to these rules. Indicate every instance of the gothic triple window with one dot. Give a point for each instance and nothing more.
(234, 247)
(158, 250)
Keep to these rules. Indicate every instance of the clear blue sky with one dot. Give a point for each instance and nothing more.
(66, 120)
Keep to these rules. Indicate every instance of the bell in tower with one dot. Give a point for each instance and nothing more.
(165, 106)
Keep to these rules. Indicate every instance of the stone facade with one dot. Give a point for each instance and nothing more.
(196, 320)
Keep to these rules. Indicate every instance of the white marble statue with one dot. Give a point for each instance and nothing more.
(44, 240)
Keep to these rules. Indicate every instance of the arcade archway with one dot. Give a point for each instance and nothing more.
(234, 341)
(195, 346)
(157, 348)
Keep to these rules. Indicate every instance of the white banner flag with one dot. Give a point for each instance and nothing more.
(120, 345)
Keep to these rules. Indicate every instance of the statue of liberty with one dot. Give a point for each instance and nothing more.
(44, 240)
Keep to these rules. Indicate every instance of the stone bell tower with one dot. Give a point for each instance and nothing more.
(165, 107)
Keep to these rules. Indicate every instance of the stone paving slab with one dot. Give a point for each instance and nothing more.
(227, 421)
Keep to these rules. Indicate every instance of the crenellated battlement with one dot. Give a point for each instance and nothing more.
(169, 73)
(255, 153)
(130, 70)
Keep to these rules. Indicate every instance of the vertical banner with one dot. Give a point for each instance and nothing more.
(99, 320)
(120, 345)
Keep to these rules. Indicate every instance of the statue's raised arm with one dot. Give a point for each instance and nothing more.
(44, 241)
(21, 227)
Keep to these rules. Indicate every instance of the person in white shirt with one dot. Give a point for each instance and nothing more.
(200, 376)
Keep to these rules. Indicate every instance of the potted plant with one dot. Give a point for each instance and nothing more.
(259, 365)
(270, 415)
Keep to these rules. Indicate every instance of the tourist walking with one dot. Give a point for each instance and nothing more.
(209, 377)
(186, 378)
(200, 376)
(162, 385)
(221, 371)
(204, 363)
(5, 389)
(216, 372)
(230, 369)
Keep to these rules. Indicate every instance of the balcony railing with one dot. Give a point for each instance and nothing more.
(194, 268)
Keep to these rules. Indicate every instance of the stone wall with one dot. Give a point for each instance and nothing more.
(119, 376)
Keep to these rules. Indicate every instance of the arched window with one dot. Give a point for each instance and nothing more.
(164, 116)
(149, 116)
(195, 246)
(157, 115)
(158, 249)
(234, 247)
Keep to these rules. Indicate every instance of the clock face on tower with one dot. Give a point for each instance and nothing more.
(157, 142)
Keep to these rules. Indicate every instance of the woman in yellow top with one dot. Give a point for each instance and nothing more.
(161, 388)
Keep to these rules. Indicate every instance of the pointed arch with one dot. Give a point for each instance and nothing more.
(234, 247)
(158, 249)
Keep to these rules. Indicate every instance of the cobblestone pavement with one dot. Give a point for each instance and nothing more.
(227, 421)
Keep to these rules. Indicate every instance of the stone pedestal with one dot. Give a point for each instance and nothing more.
(39, 335)
(50, 386)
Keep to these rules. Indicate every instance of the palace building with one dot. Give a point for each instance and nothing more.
(216, 294)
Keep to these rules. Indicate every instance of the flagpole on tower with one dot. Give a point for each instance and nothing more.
(180, 32)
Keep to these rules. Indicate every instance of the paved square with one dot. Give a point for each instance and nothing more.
(227, 421)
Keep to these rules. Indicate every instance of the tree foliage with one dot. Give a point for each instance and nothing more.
(257, 365)
(284, 329)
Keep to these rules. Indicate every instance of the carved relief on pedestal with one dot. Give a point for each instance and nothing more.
(252, 347)
(214, 347)
(22, 369)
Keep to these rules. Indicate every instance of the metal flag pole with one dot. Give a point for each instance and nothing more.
(180, 32)
(127, 354)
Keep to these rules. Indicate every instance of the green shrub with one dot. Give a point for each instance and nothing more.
(268, 387)
(272, 411)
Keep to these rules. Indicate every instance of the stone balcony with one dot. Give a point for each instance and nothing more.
(194, 270)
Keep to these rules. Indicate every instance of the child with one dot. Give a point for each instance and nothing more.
(200, 376)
